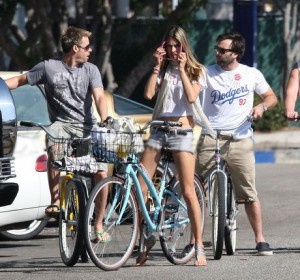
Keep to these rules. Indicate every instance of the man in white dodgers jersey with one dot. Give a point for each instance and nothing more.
(227, 100)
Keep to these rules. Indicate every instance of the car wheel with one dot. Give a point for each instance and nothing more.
(31, 230)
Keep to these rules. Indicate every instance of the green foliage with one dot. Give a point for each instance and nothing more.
(270, 51)
(272, 120)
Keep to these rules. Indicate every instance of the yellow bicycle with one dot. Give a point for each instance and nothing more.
(73, 159)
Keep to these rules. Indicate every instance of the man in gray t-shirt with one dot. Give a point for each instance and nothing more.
(70, 84)
(67, 89)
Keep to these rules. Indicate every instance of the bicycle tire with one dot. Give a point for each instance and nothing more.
(231, 225)
(218, 217)
(174, 241)
(71, 223)
(113, 254)
(84, 256)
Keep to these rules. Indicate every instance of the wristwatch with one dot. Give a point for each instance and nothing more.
(264, 106)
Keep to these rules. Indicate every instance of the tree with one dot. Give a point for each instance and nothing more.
(290, 12)
(37, 37)
(180, 16)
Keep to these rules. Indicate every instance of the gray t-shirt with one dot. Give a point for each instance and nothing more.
(68, 90)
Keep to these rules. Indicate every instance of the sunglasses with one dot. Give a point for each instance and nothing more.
(221, 50)
(168, 46)
(87, 48)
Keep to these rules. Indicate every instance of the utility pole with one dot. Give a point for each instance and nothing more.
(245, 22)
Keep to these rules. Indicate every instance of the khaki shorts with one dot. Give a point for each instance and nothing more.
(60, 129)
(240, 158)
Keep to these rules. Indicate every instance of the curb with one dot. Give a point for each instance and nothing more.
(287, 155)
(277, 147)
(264, 157)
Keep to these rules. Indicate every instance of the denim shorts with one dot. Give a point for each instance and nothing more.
(176, 140)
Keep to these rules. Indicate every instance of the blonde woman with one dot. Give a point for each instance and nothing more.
(175, 79)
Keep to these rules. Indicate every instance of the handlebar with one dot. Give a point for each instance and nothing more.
(29, 124)
(34, 124)
(292, 119)
(164, 124)
(249, 118)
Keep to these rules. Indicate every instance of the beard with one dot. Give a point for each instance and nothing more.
(224, 62)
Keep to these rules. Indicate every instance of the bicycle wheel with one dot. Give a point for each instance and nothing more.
(121, 225)
(71, 222)
(218, 217)
(231, 223)
(84, 255)
(174, 241)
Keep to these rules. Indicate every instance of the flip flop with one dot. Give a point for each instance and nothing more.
(52, 211)
(102, 237)
(200, 256)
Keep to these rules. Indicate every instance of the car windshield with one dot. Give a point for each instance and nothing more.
(31, 104)
(125, 106)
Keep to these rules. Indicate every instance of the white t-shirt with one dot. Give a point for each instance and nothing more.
(175, 103)
(227, 97)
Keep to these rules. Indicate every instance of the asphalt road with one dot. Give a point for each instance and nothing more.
(278, 186)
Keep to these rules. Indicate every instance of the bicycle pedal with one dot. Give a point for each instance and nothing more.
(232, 229)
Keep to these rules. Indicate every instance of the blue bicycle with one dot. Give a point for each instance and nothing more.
(168, 216)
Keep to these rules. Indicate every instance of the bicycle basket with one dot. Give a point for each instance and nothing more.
(112, 146)
(73, 154)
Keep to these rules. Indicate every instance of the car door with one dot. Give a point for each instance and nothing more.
(33, 195)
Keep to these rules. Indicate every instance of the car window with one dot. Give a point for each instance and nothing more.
(31, 104)
(125, 106)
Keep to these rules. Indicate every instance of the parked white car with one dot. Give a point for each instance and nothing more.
(24, 218)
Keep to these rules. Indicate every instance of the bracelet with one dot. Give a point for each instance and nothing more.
(155, 70)
(265, 107)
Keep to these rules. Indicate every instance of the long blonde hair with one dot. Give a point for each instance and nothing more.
(193, 67)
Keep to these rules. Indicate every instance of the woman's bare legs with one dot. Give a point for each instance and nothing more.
(149, 160)
(186, 171)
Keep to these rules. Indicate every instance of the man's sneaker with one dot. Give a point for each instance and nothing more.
(143, 255)
(264, 249)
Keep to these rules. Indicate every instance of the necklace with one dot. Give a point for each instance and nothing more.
(174, 77)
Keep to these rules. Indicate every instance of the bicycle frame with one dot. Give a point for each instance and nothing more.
(210, 188)
(62, 185)
(131, 171)
(65, 179)
(218, 169)
(219, 166)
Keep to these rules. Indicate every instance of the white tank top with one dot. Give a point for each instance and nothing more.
(176, 103)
